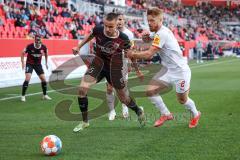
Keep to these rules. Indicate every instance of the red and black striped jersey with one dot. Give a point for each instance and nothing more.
(35, 54)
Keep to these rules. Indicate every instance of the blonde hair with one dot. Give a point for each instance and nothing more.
(155, 11)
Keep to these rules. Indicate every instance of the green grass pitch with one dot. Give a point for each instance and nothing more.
(215, 88)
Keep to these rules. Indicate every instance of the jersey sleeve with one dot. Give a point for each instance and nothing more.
(27, 49)
(95, 31)
(127, 43)
(159, 40)
(45, 49)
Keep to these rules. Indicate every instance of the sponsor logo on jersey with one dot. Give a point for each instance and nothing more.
(156, 40)
(36, 55)
(109, 47)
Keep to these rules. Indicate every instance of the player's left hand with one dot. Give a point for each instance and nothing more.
(140, 75)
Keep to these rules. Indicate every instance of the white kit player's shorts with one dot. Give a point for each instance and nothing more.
(176, 77)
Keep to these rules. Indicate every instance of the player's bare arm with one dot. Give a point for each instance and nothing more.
(22, 59)
(148, 54)
(82, 43)
(137, 70)
(46, 59)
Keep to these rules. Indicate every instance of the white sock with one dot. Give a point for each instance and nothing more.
(190, 105)
(124, 106)
(158, 102)
(110, 100)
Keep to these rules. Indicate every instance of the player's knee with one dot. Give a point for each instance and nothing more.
(82, 92)
(27, 78)
(150, 93)
(124, 99)
(43, 79)
(109, 90)
(182, 100)
(44, 83)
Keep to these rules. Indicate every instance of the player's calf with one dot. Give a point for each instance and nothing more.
(24, 89)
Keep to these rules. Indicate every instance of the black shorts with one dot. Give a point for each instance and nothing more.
(113, 76)
(36, 67)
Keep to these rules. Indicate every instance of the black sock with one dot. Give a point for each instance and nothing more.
(132, 105)
(24, 87)
(83, 105)
(44, 88)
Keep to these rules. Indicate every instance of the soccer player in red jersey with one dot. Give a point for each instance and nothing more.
(34, 52)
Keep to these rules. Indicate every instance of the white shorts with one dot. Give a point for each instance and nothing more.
(176, 77)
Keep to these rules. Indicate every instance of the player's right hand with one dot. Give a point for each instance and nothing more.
(75, 50)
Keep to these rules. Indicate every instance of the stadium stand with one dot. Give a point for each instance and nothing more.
(20, 20)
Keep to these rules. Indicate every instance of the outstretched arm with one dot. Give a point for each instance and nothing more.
(148, 54)
(46, 58)
(82, 43)
(22, 59)
(137, 70)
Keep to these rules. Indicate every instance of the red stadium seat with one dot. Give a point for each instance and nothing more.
(4, 36)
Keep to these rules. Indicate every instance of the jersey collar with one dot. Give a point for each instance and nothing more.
(111, 37)
(36, 47)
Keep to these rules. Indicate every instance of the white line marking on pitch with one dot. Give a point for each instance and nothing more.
(50, 91)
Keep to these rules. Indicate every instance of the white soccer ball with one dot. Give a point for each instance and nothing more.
(51, 145)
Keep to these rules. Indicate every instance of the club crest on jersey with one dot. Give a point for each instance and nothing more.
(156, 40)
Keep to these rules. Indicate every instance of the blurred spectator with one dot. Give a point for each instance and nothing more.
(43, 32)
(199, 48)
(62, 3)
(33, 31)
(20, 23)
(70, 26)
(209, 51)
(34, 23)
(65, 13)
(49, 17)
(55, 12)
(24, 15)
(78, 23)
(1, 22)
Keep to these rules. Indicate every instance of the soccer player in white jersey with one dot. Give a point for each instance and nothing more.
(110, 93)
(175, 70)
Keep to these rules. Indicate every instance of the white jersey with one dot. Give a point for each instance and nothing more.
(125, 63)
(170, 52)
(130, 37)
(128, 33)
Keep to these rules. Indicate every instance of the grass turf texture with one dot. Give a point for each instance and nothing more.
(215, 88)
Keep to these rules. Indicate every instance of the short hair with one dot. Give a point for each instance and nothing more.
(120, 13)
(37, 37)
(111, 16)
(155, 11)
